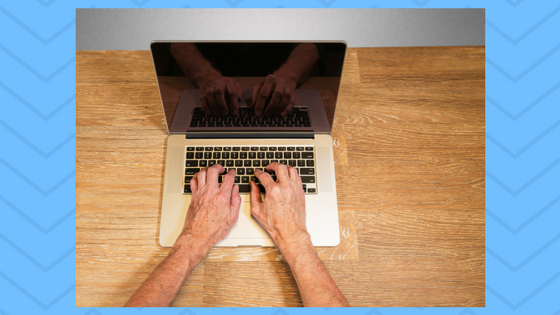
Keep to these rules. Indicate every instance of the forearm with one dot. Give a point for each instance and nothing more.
(299, 63)
(193, 64)
(316, 286)
(163, 284)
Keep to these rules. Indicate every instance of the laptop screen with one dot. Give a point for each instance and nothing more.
(248, 85)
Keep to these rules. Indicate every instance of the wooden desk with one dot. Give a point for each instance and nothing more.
(409, 147)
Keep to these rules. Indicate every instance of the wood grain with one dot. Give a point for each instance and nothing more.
(408, 141)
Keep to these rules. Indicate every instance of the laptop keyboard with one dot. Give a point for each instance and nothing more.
(245, 160)
(298, 117)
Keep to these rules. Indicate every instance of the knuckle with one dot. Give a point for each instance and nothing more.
(263, 92)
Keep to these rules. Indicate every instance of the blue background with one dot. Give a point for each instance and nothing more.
(37, 160)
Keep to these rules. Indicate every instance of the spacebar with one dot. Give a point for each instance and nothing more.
(247, 188)
(244, 188)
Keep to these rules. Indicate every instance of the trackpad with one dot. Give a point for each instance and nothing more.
(247, 226)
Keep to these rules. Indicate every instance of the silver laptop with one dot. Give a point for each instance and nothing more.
(294, 133)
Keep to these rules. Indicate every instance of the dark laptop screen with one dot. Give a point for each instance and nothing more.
(270, 73)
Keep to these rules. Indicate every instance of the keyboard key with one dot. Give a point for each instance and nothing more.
(203, 163)
(307, 171)
(207, 155)
(265, 163)
(240, 163)
(199, 155)
(278, 155)
(252, 155)
(300, 163)
(269, 155)
(274, 161)
(243, 155)
(188, 179)
(263, 148)
(216, 155)
(199, 148)
(299, 148)
(229, 163)
(227, 148)
(285, 162)
(310, 163)
(247, 163)
(257, 163)
(308, 179)
(308, 148)
(307, 155)
(240, 171)
(191, 163)
(211, 162)
(292, 163)
(311, 190)
(245, 179)
(191, 171)
(190, 148)
(208, 148)
(271, 148)
(281, 148)
(296, 155)
(225, 155)
(187, 189)
(217, 148)
(237, 179)
(245, 149)
(236, 148)
(244, 188)
(260, 155)
(190, 155)
(287, 155)
(254, 148)
(291, 149)
(234, 155)
(250, 171)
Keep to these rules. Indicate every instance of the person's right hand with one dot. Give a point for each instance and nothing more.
(220, 96)
(282, 212)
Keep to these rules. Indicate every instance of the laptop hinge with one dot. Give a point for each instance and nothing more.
(250, 135)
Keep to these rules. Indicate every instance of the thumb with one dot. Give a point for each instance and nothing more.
(256, 199)
(235, 202)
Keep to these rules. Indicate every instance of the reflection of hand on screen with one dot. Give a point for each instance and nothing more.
(219, 96)
(281, 91)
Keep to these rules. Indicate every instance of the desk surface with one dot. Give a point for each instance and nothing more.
(409, 151)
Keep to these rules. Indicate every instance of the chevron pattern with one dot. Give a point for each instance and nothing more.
(37, 164)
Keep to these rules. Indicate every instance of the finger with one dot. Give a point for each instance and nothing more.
(219, 93)
(233, 105)
(277, 97)
(201, 177)
(280, 169)
(265, 179)
(194, 186)
(227, 183)
(205, 106)
(213, 173)
(240, 91)
(212, 102)
(288, 103)
(263, 94)
(255, 94)
(293, 174)
(256, 199)
(235, 203)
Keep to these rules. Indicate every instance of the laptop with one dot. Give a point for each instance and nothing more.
(293, 133)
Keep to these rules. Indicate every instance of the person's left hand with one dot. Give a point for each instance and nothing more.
(213, 211)
(283, 91)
